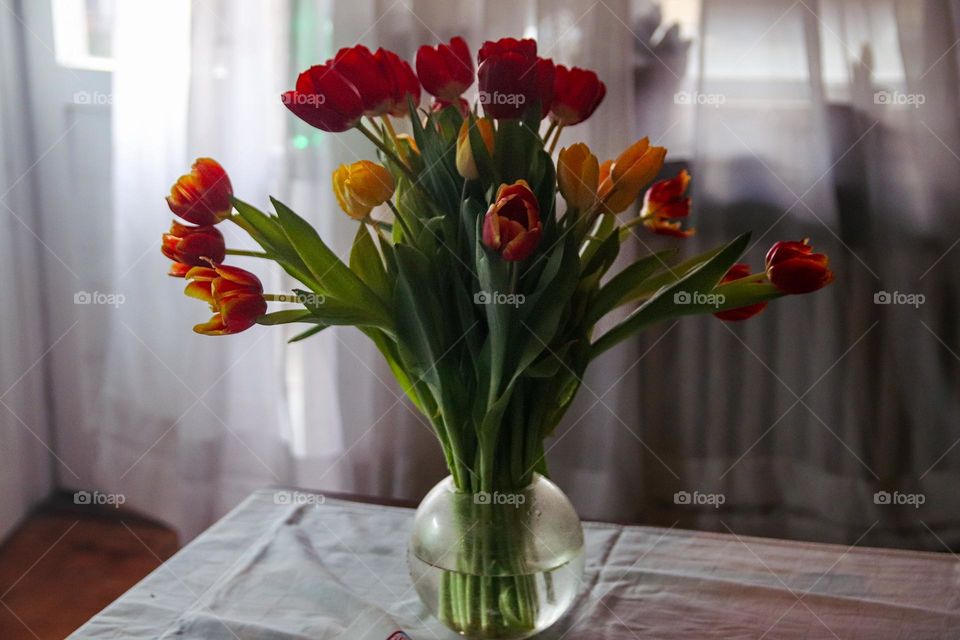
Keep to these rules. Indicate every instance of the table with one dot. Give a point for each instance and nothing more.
(293, 565)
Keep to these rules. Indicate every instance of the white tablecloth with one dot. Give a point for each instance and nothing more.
(338, 570)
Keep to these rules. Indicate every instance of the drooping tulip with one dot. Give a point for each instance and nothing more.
(325, 99)
(445, 71)
(466, 162)
(576, 95)
(737, 271)
(622, 180)
(192, 246)
(361, 186)
(234, 295)
(664, 203)
(202, 196)
(578, 174)
(794, 268)
(512, 224)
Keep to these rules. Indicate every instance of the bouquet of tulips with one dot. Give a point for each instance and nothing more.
(480, 287)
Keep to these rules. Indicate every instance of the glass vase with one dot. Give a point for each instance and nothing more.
(500, 565)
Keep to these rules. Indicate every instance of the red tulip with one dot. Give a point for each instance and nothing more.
(191, 247)
(234, 295)
(664, 201)
(202, 196)
(362, 69)
(401, 79)
(793, 267)
(512, 225)
(325, 99)
(512, 78)
(576, 95)
(736, 272)
(447, 70)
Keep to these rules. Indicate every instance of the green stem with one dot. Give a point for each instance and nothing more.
(549, 131)
(244, 252)
(556, 138)
(387, 151)
(403, 223)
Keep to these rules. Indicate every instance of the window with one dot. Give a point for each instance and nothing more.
(83, 33)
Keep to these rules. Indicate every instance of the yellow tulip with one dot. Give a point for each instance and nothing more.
(622, 180)
(578, 174)
(466, 164)
(361, 186)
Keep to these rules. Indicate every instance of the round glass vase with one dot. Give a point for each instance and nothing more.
(498, 565)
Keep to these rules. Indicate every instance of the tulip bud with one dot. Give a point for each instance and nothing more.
(202, 196)
(622, 180)
(191, 247)
(578, 174)
(234, 295)
(512, 225)
(665, 200)
(466, 163)
(793, 267)
(361, 186)
(736, 272)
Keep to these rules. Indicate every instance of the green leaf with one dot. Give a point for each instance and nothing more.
(664, 303)
(419, 313)
(365, 261)
(333, 311)
(312, 331)
(623, 286)
(268, 234)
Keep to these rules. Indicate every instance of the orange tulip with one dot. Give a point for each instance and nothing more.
(202, 196)
(234, 295)
(512, 225)
(466, 163)
(578, 175)
(622, 180)
(665, 200)
(191, 246)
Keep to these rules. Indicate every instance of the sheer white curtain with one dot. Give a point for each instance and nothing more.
(777, 118)
(25, 456)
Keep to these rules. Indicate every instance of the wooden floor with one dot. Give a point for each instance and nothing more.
(66, 563)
